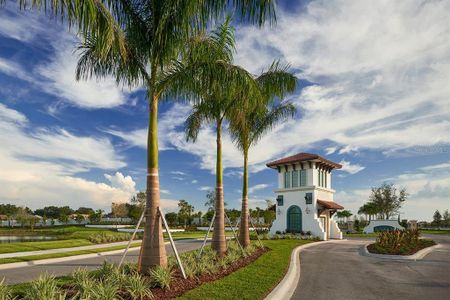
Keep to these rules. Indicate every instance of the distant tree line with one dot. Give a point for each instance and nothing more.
(441, 220)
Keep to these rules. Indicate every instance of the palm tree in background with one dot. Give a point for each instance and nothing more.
(228, 88)
(250, 125)
(137, 42)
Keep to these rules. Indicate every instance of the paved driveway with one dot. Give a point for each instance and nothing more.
(24, 274)
(338, 271)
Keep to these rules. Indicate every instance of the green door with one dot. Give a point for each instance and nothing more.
(294, 219)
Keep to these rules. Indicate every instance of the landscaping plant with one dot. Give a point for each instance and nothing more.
(161, 277)
(44, 288)
(5, 291)
(399, 242)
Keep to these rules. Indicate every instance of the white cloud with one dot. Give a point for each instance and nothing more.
(257, 187)
(56, 76)
(169, 123)
(26, 30)
(443, 166)
(12, 69)
(205, 188)
(169, 205)
(177, 173)
(124, 183)
(377, 85)
(163, 191)
(351, 168)
(194, 181)
(91, 94)
(428, 190)
(40, 166)
(330, 150)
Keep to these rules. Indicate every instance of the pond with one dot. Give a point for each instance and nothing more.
(20, 239)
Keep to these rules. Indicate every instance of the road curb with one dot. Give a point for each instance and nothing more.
(416, 256)
(286, 288)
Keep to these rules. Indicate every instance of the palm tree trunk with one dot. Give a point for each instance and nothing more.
(244, 235)
(218, 241)
(153, 251)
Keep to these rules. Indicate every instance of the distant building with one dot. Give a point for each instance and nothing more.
(305, 197)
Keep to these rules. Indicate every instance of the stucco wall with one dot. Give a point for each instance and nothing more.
(310, 221)
(335, 232)
(296, 196)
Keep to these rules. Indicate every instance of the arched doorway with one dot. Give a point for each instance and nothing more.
(294, 219)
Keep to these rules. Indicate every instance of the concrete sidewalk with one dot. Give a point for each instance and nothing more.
(63, 250)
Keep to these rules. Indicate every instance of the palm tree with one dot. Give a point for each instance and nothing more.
(250, 125)
(227, 89)
(136, 41)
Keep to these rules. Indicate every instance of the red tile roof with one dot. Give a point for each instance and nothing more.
(301, 157)
(329, 204)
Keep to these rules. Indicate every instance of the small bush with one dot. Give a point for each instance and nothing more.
(83, 282)
(44, 288)
(130, 267)
(399, 242)
(137, 287)
(104, 271)
(103, 290)
(5, 291)
(105, 237)
(161, 277)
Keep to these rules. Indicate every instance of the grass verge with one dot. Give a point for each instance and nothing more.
(72, 236)
(445, 232)
(253, 281)
(64, 254)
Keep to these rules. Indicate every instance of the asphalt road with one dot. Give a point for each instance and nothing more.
(338, 271)
(29, 273)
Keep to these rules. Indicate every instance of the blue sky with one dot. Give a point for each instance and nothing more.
(374, 96)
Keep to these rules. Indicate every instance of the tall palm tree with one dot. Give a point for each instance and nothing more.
(136, 41)
(227, 87)
(249, 125)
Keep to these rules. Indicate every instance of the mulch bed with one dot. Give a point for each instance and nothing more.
(374, 248)
(179, 285)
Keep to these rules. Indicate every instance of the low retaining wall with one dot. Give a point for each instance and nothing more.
(382, 223)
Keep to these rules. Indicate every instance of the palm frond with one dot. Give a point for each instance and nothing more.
(92, 63)
(262, 123)
(204, 112)
(277, 81)
(104, 19)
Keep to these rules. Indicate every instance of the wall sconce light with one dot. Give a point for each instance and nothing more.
(279, 211)
(307, 210)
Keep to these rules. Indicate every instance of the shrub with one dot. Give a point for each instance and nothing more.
(108, 237)
(5, 291)
(137, 287)
(84, 282)
(103, 290)
(397, 241)
(161, 277)
(44, 288)
(105, 270)
(130, 267)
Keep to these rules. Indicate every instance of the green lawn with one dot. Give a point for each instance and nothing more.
(65, 254)
(70, 236)
(34, 246)
(435, 232)
(374, 234)
(253, 281)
